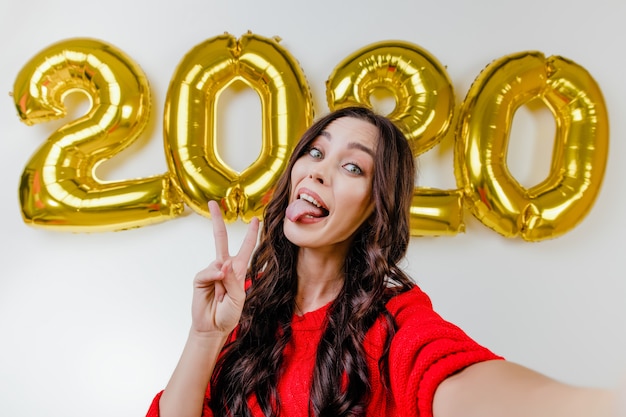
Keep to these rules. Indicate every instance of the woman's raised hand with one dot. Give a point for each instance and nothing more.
(219, 292)
(218, 298)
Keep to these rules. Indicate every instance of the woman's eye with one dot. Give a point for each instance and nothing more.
(353, 169)
(315, 153)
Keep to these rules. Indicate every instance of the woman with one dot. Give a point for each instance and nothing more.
(321, 321)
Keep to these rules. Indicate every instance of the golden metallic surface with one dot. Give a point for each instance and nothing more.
(558, 203)
(59, 189)
(191, 116)
(424, 109)
(436, 212)
(419, 84)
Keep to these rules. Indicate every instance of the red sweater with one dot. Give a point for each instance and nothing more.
(425, 350)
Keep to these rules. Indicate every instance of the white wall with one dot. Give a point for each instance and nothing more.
(92, 324)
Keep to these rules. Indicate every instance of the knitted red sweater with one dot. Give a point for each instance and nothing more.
(425, 350)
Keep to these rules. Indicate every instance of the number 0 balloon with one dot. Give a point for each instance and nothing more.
(580, 149)
(190, 119)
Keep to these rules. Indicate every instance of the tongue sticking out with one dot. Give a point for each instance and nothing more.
(300, 208)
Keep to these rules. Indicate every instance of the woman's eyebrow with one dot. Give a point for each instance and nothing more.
(360, 146)
(351, 145)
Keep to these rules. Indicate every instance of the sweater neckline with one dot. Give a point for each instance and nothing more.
(311, 320)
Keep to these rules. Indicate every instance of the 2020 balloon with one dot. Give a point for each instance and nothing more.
(59, 190)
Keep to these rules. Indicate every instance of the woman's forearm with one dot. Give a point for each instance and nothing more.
(500, 388)
(185, 392)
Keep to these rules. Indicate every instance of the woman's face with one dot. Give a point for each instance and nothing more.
(331, 186)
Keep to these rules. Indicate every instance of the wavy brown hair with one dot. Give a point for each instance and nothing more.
(250, 365)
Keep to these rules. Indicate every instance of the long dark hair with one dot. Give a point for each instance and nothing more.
(250, 364)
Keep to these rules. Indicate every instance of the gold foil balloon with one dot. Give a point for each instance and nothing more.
(424, 109)
(59, 189)
(423, 93)
(555, 205)
(436, 212)
(191, 116)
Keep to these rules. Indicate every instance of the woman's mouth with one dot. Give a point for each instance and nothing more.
(306, 205)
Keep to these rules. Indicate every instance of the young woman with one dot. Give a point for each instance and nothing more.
(319, 320)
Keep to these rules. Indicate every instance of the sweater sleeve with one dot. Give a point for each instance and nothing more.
(426, 350)
(153, 411)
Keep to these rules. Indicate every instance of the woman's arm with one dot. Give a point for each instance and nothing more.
(218, 299)
(501, 388)
(185, 392)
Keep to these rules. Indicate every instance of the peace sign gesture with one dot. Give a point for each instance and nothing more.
(219, 292)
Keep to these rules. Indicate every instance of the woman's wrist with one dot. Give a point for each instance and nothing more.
(207, 340)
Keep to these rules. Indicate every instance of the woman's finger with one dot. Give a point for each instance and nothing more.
(219, 232)
(209, 275)
(249, 241)
(234, 287)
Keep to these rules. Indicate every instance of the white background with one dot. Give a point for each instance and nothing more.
(93, 323)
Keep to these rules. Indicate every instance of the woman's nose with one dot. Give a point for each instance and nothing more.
(318, 171)
(317, 176)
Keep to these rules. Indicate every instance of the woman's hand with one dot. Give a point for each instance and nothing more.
(218, 290)
(218, 298)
